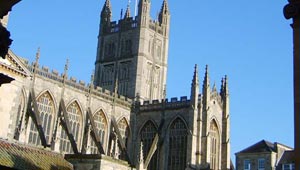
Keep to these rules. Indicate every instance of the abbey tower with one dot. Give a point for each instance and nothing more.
(132, 53)
(91, 127)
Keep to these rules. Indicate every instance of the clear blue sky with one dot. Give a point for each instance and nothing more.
(250, 41)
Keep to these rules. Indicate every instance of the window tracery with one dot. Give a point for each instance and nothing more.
(46, 109)
(75, 119)
(177, 145)
(19, 118)
(214, 145)
(148, 133)
(101, 126)
(124, 130)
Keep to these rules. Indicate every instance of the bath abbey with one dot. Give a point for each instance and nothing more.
(121, 119)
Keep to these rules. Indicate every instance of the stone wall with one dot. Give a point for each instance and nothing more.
(97, 162)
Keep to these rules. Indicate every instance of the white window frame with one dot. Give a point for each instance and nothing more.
(261, 163)
(248, 162)
(291, 166)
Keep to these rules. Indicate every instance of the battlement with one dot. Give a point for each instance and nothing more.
(156, 26)
(183, 102)
(130, 24)
(122, 25)
(79, 85)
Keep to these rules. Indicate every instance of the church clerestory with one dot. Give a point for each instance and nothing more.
(121, 119)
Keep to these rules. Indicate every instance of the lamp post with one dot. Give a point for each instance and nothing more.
(292, 10)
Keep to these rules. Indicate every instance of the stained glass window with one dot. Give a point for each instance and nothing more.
(75, 119)
(46, 108)
(148, 133)
(101, 126)
(177, 145)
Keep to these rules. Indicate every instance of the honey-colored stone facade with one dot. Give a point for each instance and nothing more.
(143, 130)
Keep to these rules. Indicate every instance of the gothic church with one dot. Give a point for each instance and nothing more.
(122, 118)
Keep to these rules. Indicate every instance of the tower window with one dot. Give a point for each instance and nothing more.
(159, 51)
(128, 46)
(109, 50)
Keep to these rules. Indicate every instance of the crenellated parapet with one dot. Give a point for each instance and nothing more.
(173, 103)
(120, 26)
(131, 23)
(127, 22)
(156, 26)
(80, 85)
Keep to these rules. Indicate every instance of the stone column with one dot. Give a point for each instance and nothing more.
(291, 10)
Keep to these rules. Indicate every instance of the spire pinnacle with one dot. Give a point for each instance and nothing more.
(165, 7)
(206, 77)
(195, 87)
(107, 4)
(36, 63)
(106, 11)
(195, 77)
(92, 80)
(141, 158)
(214, 89)
(127, 13)
(226, 90)
(116, 86)
(66, 68)
(37, 56)
(164, 11)
(222, 86)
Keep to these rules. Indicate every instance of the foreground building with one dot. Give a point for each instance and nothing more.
(265, 155)
(121, 119)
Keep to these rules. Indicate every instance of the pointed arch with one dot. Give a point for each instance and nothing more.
(20, 115)
(214, 135)
(178, 117)
(215, 120)
(48, 91)
(80, 108)
(124, 129)
(147, 135)
(100, 120)
(75, 117)
(46, 106)
(178, 132)
(146, 122)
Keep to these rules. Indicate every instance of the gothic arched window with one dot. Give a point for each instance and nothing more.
(214, 145)
(19, 118)
(46, 108)
(177, 145)
(124, 130)
(75, 119)
(101, 126)
(148, 133)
